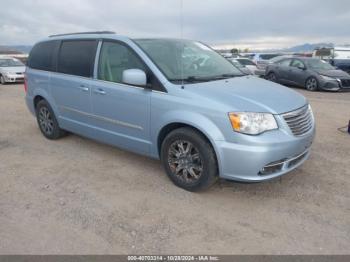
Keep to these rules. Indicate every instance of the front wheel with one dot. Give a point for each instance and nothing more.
(2, 80)
(189, 159)
(311, 84)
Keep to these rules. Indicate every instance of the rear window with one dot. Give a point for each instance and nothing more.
(246, 62)
(77, 57)
(42, 56)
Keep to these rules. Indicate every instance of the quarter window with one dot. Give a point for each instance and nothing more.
(41, 56)
(77, 57)
(114, 59)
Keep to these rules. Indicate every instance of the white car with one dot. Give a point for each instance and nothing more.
(251, 66)
(11, 70)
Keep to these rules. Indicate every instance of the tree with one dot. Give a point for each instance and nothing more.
(234, 51)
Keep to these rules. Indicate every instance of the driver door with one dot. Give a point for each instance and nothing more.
(298, 72)
(121, 112)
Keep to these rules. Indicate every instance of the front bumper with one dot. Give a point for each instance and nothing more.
(248, 162)
(335, 85)
(14, 78)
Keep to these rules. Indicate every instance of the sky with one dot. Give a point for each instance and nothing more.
(255, 24)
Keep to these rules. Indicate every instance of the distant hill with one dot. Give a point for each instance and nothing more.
(307, 47)
(15, 49)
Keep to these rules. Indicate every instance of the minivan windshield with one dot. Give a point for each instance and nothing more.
(187, 61)
(7, 62)
(319, 64)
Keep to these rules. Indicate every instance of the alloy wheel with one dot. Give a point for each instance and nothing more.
(311, 84)
(46, 121)
(184, 161)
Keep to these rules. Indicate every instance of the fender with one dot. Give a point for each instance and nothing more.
(194, 119)
(43, 93)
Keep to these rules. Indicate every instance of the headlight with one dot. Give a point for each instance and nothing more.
(252, 123)
(327, 78)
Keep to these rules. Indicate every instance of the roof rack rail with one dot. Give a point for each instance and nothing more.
(82, 33)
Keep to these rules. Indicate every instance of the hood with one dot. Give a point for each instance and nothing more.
(13, 69)
(333, 73)
(250, 94)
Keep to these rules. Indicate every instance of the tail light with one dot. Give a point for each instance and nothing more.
(25, 83)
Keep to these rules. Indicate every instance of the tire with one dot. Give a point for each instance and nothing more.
(311, 84)
(2, 80)
(272, 77)
(189, 159)
(47, 121)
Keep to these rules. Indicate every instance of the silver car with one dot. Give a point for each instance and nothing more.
(11, 70)
(157, 97)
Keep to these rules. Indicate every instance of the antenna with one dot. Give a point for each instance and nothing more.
(181, 36)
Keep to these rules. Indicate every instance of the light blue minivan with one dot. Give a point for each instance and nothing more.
(176, 100)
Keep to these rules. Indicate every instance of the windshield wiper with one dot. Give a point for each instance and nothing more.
(192, 79)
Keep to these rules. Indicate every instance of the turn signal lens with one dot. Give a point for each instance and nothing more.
(235, 122)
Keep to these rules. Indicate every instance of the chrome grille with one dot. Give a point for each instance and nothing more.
(299, 121)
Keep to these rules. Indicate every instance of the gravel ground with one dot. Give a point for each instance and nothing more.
(76, 196)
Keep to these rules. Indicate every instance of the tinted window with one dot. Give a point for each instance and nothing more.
(42, 54)
(246, 62)
(285, 62)
(268, 56)
(114, 59)
(77, 57)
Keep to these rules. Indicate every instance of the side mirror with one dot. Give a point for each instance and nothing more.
(135, 77)
(302, 67)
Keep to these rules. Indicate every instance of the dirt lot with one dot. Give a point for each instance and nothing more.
(78, 196)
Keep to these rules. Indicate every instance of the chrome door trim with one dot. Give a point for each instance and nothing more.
(105, 119)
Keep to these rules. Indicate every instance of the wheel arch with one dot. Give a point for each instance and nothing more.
(37, 99)
(165, 130)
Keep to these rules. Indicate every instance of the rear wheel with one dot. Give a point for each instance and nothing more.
(311, 84)
(189, 159)
(272, 77)
(47, 121)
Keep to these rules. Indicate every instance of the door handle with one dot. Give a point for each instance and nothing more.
(99, 91)
(83, 88)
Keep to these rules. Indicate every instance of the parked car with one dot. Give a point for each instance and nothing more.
(342, 64)
(279, 58)
(143, 95)
(11, 70)
(310, 73)
(251, 66)
(261, 59)
(240, 66)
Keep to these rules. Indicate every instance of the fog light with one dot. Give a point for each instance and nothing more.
(271, 168)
